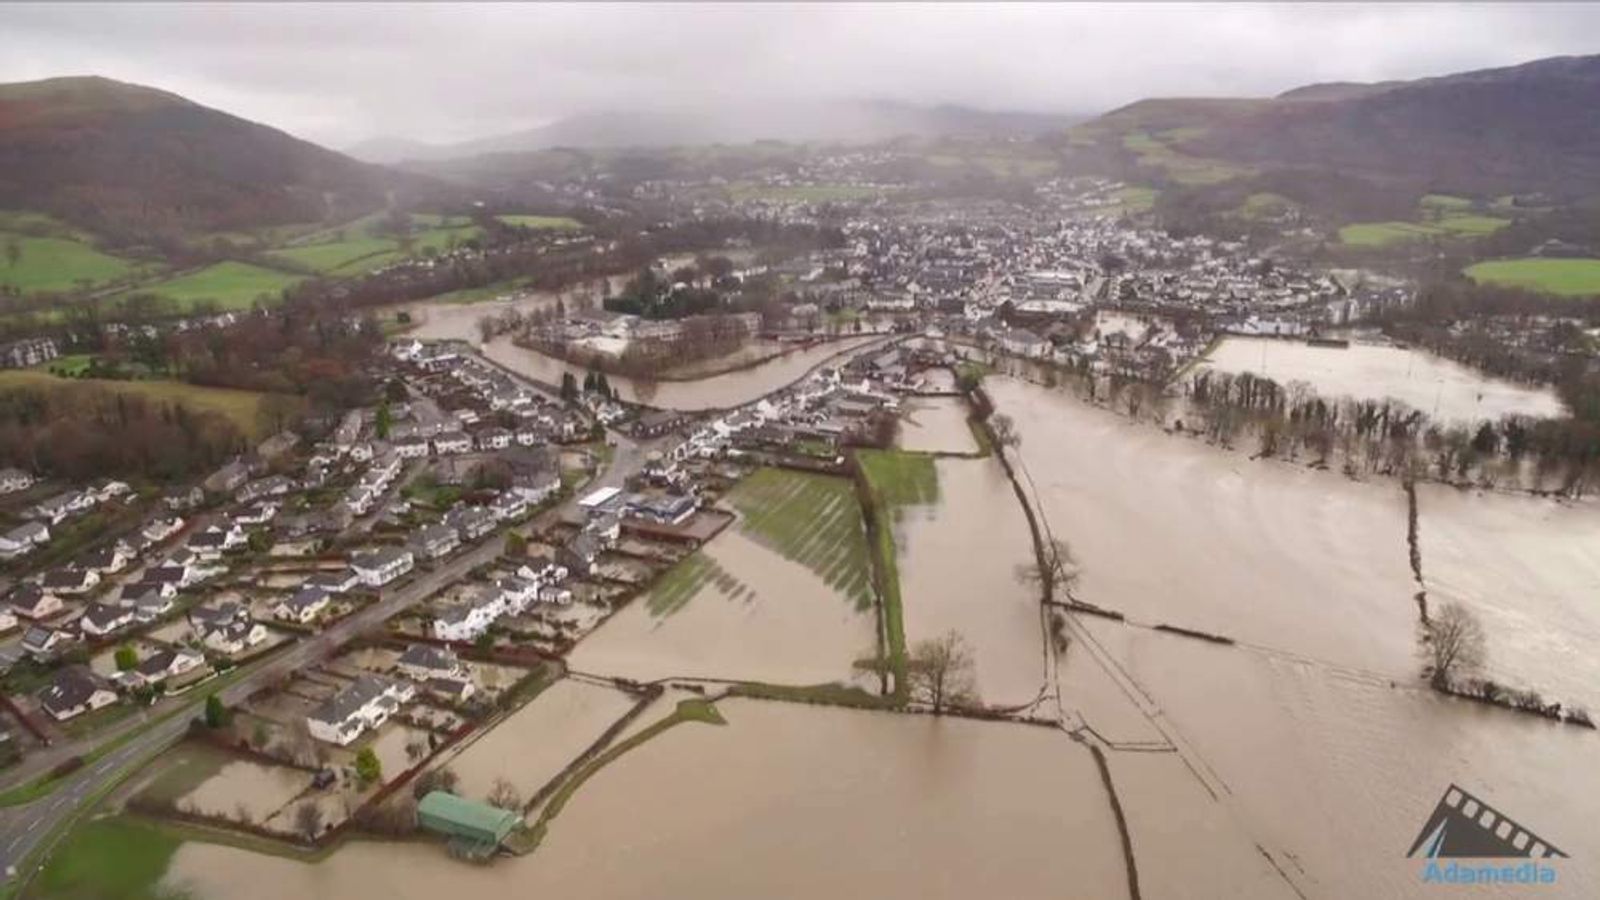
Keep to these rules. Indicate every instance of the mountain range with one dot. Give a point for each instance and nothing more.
(839, 122)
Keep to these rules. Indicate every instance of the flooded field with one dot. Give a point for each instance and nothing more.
(958, 565)
(250, 787)
(1334, 775)
(536, 742)
(798, 802)
(1530, 567)
(716, 392)
(935, 425)
(1169, 530)
(1443, 389)
(754, 616)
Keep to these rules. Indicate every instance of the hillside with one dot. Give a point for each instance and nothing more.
(129, 161)
(831, 122)
(1514, 130)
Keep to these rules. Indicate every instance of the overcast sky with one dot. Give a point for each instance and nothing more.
(340, 73)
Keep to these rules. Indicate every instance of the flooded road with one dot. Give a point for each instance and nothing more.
(782, 802)
(958, 563)
(1443, 389)
(760, 618)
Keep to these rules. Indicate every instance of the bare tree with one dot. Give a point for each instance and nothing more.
(1452, 643)
(1005, 430)
(308, 820)
(504, 795)
(942, 672)
(1056, 567)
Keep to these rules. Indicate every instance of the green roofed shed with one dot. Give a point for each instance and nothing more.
(470, 824)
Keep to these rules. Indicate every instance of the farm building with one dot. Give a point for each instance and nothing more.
(475, 829)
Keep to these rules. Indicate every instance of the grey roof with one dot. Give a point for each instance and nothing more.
(72, 688)
(340, 706)
(104, 617)
(427, 656)
(377, 559)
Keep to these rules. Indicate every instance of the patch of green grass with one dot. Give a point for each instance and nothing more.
(558, 223)
(1380, 234)
(901, 478)
(1444, 202)
(66, 366)
(115, 858)
(1135, 198)
(1265, 205)
(330, 256)
(812, 519)
(1181, 167)
(57, 263)
(1564, 277)
(240, 406)
(230, 285)
(1472, 225)
(180, 770)
(831, 694)
(681, 583)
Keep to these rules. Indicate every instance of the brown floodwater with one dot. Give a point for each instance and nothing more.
(1443, 389)
(536, 742)
(1530, 568)
(958, 563)
(716, 392)
(1168, 529)
(783, 802)
(1334, 775)
(259, 789)
(935, 425)
(788, 627)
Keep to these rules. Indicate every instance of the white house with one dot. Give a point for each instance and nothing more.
(435, 541)
(303, 606)
(164, 665)
(21, 540)
(75, 692)
(31, 601)
(70, 582)
(377, 568)
(101, 619)
(227, 628)
(421, 662)
(13, 480)
(452, 442)
(368, 702)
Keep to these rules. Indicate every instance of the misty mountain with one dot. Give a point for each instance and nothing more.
(827, 122)
(122, 158)
(1531, 127)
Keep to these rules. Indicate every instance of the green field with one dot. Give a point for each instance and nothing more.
(1444, 202)
(240, 406)
(109, 859)
(57, 263)
(360, 246)
(1566, 277)
(560, 223)
(1181, 167)
(1471, 225)
(229, 284)
(901, 478)
(1379, 234)
(1265, 205)
(1135, 198)
(813, 520)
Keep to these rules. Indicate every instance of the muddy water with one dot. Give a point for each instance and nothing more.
(1167, 529)
(788, 628)
(716, 392)
(1334, 775)
(935, 425)
(782, 802)
(259, 789)
(1437, 386)
(1530, 567)
(958, 566)
(530, 747)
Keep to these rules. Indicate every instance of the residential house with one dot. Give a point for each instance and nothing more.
(167, 664)
(13, 480)
(413, 447)
(421, 662)
(255, 514)
(30, 601)
(215, 540)
(226, 628)
(262, 488)
(377, 568)
(102, 619)
(55, 510)
(368, 702)
(304, 606)
(108, 489)
(517, 592)
(581, 553)
(228, 479)
(158, 530)
(184, 500)
(452, 442)
(607, 527)
(42, 641)
(509, 506)
(495, 438)
(109, 560)
(70, 582)
(661, 509)
(435, 541)
(23, 539)
(471, 522)
(75, 691)
(336, 582)
(467, 620)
